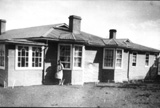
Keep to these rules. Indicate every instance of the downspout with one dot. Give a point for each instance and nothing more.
(44, 57)
(128, 65)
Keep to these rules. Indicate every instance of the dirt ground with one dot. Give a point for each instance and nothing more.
(89, 95)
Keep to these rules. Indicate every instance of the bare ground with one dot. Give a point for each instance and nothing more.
(89, 95)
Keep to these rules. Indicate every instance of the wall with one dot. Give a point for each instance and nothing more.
(140, 70)
(21, 77)
(77, 77)
(4, 72)
(93, 64)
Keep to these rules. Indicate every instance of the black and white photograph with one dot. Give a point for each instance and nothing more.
(80, 53)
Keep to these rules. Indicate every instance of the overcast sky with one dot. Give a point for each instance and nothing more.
(138, 21)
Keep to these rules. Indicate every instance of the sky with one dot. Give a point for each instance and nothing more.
(139, 21)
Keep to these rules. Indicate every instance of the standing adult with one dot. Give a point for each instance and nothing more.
(59, 73)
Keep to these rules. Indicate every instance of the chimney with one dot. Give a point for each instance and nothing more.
(2, 26)
(112, 33)
(75, 24)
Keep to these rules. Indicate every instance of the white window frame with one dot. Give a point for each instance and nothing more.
(136, 59)
(4, 47)
(70, 55)
(29, 59)
(121, 59)
(146, 59)
(104, 67)
(82, 60)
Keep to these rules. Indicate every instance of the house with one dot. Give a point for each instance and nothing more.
(29, 56)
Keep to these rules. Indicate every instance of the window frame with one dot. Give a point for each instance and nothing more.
(29, 58)
(136, 58)
(146, 59)
(82, 57)
(121, 59)
(105, 67)
(70, 54)
(4, 47)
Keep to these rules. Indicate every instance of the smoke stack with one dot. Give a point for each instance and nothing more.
(2, 26)
(75, 24)
(112, 33)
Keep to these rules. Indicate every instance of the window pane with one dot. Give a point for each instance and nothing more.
(66, 65)
(147, 60)
(65, 55)
(134, 60)
(119, 58)
(23, 56)
(36, 56)
(78, 56)
(108, 57)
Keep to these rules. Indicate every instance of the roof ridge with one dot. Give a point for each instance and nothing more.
(73, 36)
(49, 31)
(115, 41)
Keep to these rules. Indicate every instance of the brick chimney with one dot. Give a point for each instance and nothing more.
(75, 24)
(112, 33)
(2, 26)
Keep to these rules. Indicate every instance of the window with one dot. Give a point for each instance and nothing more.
(119, 58)
(29, 57)
(134, 59)
(65, 55)
(108, 58)
(23, 56)
(71, 56)
(2, 56)
(147, 60)
(36, 57)
(78, 56)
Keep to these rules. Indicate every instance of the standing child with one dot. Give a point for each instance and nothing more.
(59, 73)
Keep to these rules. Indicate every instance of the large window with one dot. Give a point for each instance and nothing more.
(119, 58)
(23, 56)
(147, 60)
(134, 60)
(71, 56)
(29, 57)
(2, 56)
(78, 56)
(65, 55)
(108, 58)
(36, 57)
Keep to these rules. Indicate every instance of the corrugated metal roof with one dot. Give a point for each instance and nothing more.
(126, 43)
(27, 32)
(60, 32)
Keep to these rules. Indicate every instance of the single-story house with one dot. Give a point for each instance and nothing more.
(29, 56)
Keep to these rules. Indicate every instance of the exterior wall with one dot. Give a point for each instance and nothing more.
(93, 64)
(21, 77)
(140, 70)
(120, 74)
(4, 72)
(77, 77)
